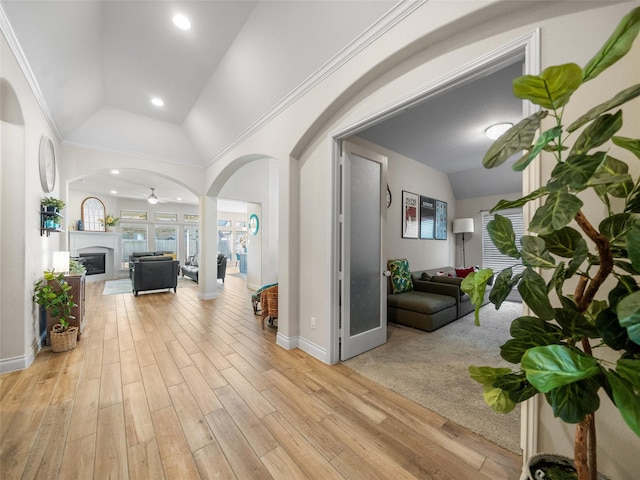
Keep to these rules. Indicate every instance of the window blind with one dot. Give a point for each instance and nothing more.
(491, 256)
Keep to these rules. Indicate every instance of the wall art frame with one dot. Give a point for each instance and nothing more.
(410, 211)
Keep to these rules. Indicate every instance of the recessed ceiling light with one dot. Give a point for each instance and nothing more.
(495, 131)
(115, 172)
(113, 192)
(179, 198)
(181, 22)
(158, 102)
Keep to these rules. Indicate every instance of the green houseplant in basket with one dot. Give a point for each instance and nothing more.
(52, 293)
(588, 300)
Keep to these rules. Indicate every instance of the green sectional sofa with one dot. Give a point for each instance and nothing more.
(434, 300)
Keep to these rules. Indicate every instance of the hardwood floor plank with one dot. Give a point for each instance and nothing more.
(210, 373)
(110, 385)
(130, 370)
(111, 444)
(145, 462)
(191, 419)
(77, 460)
(84, 416)
(281, 465)
(168, 368)
(212, 464)
(256, 402)
(156, 390)
(243, 460)
(177, 461)
(202, 393)
(137, 416)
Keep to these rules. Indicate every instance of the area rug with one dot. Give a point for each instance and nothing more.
(430, 368)
(123, 285)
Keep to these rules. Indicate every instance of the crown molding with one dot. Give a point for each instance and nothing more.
(12, 40)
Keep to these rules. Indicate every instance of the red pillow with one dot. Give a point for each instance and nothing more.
(463, 272)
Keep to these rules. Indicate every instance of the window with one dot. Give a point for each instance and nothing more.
(166, 239)
(224, 223)
(491, 256)
(241, 225)
(92, 212)
(190, 241)
(133, 238)
(191, 218)
(132, 215)
(165, 217)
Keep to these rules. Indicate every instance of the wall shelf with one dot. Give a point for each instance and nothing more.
(44, 217)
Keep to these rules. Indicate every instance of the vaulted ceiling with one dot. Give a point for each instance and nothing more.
(96, 65)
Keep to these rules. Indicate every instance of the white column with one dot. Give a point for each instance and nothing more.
(208, 248)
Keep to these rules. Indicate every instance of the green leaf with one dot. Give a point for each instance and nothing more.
(533, 289)
(502, 286)
(614, 174)
(542, 141)
(633, 245)
(571, 403)
(487, 375)
(599, 132)
(532, 327)
(559, 209)
(626, 399)
(633, 205)
(631, 144)
(621, 98)
(616, 46)
(514, 140)
(628, 310)
(498, 399)
(612, 333)
(553, 366)
(507, 204)
(501, 232)
(517, 386)
(615, 228)
(534, 252)
(552, 89)
(577, 169)
(475, 284)
(629, 369)
(564, 242)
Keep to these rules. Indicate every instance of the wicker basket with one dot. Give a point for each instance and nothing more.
(61, 341)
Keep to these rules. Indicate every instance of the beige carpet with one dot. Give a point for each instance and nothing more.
(431, 369)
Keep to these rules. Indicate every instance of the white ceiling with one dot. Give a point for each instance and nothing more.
(95, 65)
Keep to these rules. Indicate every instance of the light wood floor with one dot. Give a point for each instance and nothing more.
(165, 386)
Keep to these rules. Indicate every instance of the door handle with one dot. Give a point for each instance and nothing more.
(386, 273)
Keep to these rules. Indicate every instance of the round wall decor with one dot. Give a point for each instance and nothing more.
(47, 164)
(254, 224)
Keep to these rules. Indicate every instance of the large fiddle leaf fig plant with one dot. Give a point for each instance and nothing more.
(589, 301)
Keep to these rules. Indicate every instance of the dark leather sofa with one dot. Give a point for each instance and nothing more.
(154, 272)
(190, 268)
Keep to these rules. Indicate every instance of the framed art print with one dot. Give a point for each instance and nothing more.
(441, 220)
(409, 215)
(427, 217)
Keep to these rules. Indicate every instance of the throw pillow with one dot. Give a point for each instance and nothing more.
(463, 272)
(425, 276)
(400, 276)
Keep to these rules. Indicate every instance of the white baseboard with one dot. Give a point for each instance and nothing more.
(314, 350)
(18, 363)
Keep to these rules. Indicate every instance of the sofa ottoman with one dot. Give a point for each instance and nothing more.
(422, 310)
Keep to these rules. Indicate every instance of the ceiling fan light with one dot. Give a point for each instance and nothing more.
(495, 131)
(152, 199)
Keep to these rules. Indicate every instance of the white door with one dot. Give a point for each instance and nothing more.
(363, 312)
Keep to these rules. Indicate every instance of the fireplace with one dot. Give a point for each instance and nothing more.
(95, 263)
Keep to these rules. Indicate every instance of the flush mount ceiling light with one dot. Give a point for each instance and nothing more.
(115, 172)
(181, 22)
(152, 199)
(158, 102)
(494, 131)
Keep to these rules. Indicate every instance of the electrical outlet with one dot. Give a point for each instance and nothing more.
(313, 323)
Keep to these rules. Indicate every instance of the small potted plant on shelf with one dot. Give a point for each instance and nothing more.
(109, 222)
(52, 204)
(584, 333)
(52, 293)
(76, 267)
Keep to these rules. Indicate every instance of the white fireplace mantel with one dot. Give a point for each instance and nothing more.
(82, 240)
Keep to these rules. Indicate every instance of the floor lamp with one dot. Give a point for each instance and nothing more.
(463, 225)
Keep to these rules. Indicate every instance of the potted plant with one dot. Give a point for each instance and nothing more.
(52, 293)
(589, 301)
(76, 267)
(52, 204)
(109, 222)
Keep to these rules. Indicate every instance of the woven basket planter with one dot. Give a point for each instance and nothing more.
(62, 341)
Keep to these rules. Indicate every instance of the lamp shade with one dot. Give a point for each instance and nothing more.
(463, 225)
(60, 262)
